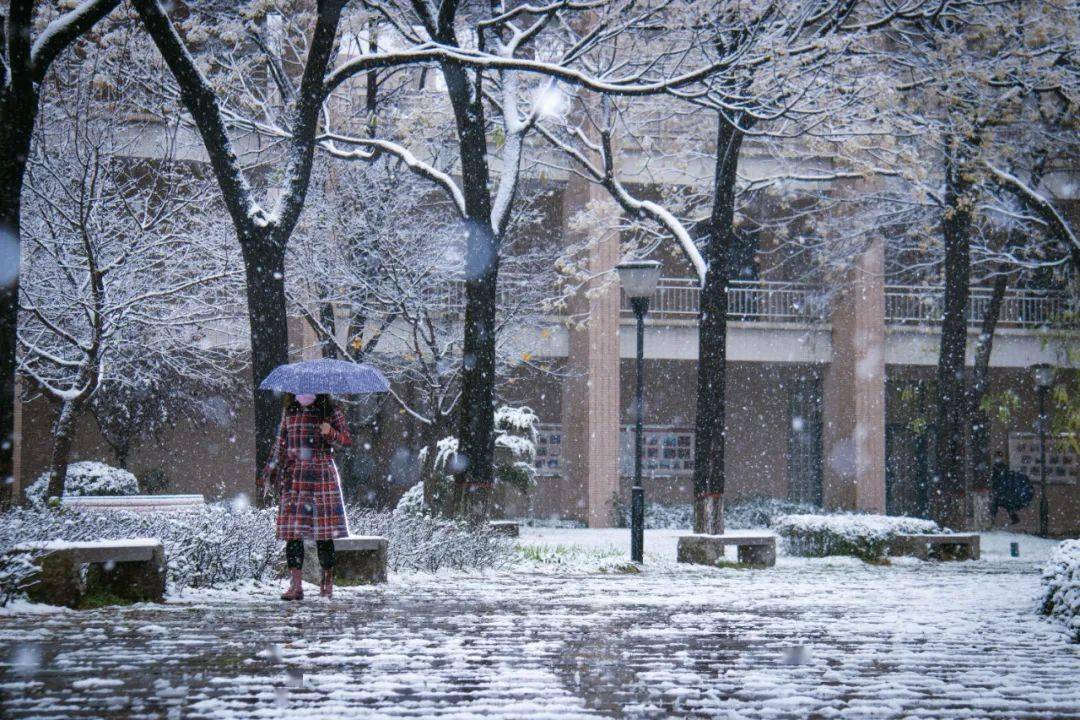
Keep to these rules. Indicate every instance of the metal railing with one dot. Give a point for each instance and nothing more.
(799, 303)
(916, 305)
(760, 300)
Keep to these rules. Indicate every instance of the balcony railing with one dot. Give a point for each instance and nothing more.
(916, 305)
(759, 300)
(798, 303)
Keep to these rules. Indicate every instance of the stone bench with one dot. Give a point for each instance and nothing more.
(131, 570)
(509, 528)
(135, 503)
(754, 550)
(947, 546)
(358, 560)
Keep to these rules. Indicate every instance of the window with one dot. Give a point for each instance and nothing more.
(667, 450)
(549, 446)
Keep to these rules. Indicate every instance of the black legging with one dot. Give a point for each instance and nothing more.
(294, 553)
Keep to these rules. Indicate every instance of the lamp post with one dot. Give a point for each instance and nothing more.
(1044, 379)
(638, 278)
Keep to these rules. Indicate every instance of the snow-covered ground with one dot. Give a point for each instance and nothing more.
(811, 637)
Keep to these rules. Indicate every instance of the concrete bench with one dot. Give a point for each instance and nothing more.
(948, 546)
(135, 503)
(758, 550)
(508, 528)
(358, 560)
(132, 570)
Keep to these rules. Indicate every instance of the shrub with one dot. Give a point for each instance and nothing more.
(423, 543)
(1061, 587)
(657, 516)
(87, 477)
(863, 536)
(206, 547)
(757, 512)
(17, 571)
(224, 543)
(762, 512)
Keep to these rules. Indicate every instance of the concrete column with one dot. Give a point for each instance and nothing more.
(591, 392)
(853, 409)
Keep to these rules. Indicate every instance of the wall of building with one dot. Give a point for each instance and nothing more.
(215, 460)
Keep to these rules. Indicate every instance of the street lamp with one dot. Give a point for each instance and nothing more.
(1044, 378)
(638, 278)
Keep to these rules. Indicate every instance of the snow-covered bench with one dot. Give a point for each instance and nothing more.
(945, 546)
(508, 528)
(756, 549)
(358, 560)
(135, 503)
(131, 570)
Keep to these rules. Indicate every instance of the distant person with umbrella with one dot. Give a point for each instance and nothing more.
(1010, 491)
(302, 470)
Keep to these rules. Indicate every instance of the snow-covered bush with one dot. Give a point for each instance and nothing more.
(206, 546)
(515, 447)
(657, 516)
(864, 536)
(515, 455)
(1061, 587)
(87, 477)
(762, 512)
(757, 512)
(224, 543)
(17, 571)
(423, 543)
(412, 502)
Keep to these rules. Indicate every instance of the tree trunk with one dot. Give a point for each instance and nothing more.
(326, 319)
(264, 265)
(947, 505)
(712, 338)
(17, 112)
(476, 424)
(61, 454)
(979, 434)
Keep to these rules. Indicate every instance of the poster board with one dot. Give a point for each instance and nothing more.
(1062, 463)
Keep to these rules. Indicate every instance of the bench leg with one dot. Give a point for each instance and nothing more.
(757, 555)
(58, 583)
(351, 567)
(700, 551)
(361, 567)
(142, 581)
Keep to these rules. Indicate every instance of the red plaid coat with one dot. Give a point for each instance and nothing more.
(311, 506)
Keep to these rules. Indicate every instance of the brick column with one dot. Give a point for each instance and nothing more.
(853, 411)
(591, 392)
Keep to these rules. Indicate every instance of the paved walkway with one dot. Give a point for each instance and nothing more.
(805, 639)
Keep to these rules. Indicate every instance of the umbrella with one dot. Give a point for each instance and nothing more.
(338, 377)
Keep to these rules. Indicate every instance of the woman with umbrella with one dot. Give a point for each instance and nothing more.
(302, 467)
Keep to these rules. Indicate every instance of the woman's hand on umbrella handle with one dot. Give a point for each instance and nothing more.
(325, 428)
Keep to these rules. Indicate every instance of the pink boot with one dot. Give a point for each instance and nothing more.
(296, 589)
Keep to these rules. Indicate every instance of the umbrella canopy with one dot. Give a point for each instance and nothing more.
(338, 377)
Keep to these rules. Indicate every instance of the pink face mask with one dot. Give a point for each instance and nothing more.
(305, 399)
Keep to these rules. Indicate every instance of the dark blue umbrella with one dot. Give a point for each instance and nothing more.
(338, 377)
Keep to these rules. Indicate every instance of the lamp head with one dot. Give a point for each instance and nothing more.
(639, 277)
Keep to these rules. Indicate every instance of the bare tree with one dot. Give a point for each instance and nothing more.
(25, 61)
(379, 245)
(122, 274)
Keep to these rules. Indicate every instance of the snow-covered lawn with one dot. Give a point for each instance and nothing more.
(828, 637)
